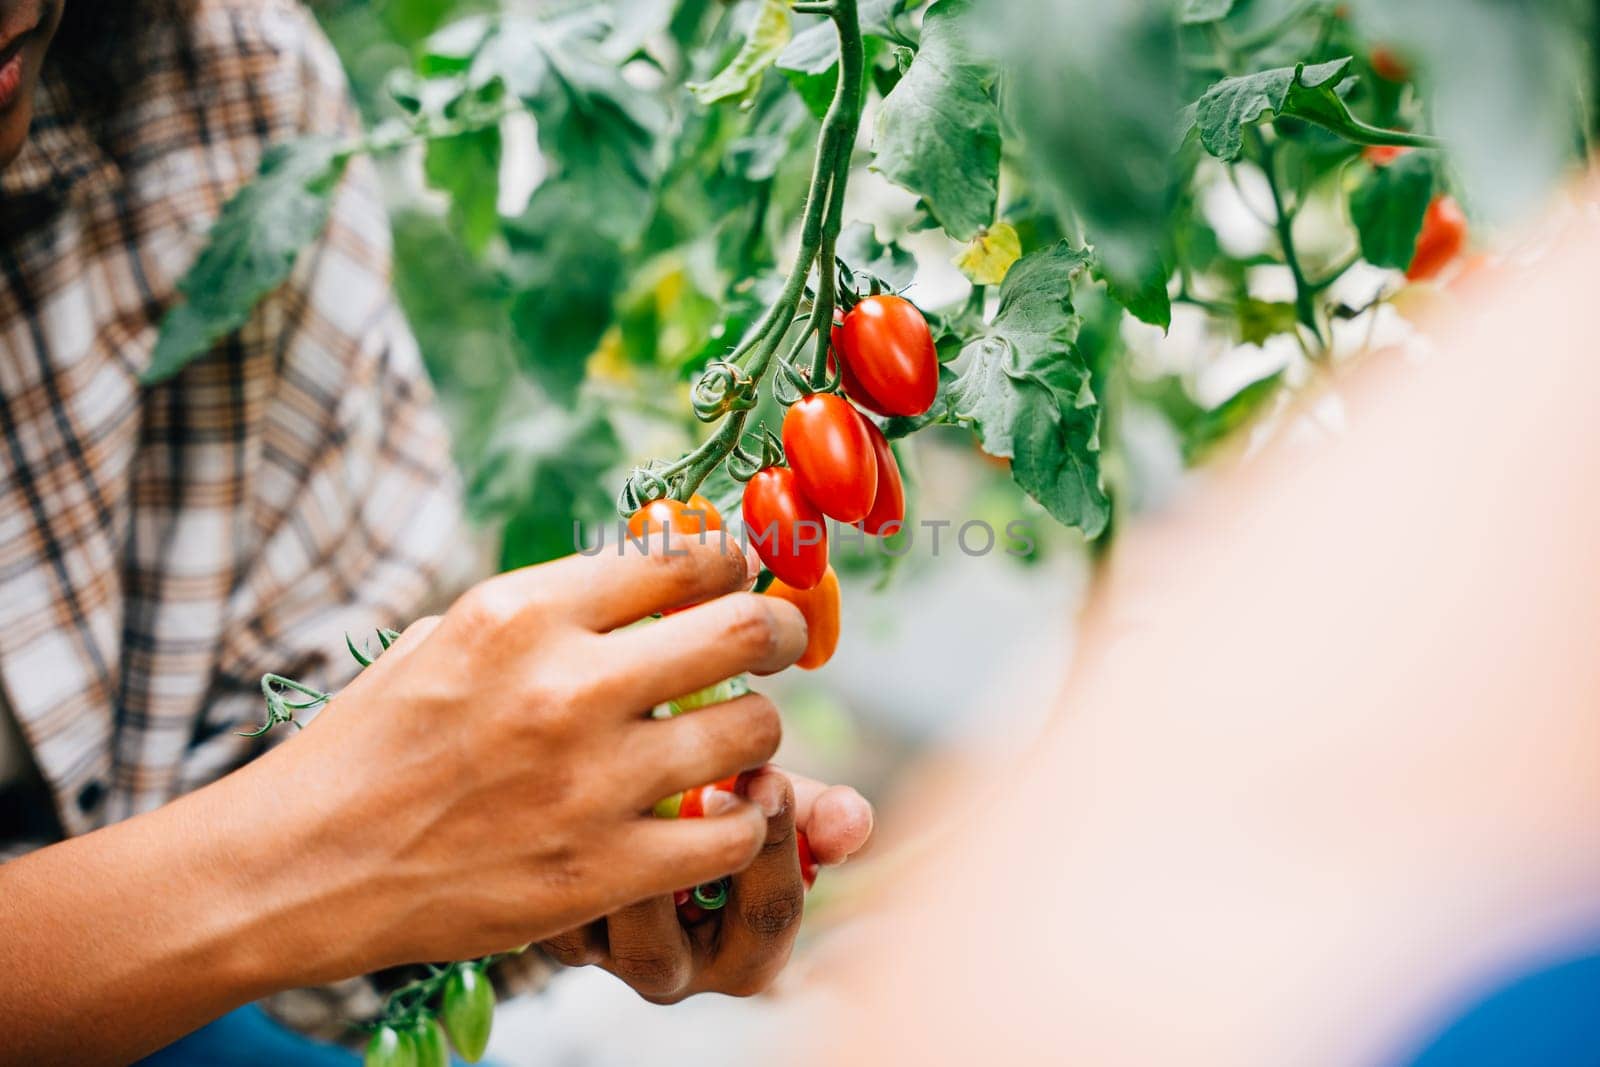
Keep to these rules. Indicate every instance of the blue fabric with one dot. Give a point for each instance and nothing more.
(249, 1038)
(1548, 1018)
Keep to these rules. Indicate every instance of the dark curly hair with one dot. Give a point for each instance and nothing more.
(101, 44)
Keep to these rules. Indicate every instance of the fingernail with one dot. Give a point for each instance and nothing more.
(752, 563)
(718, 802)
(771, 800)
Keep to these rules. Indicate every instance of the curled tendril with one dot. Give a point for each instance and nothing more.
(790, 385)
(744, 462)
(723, 389)
(643, 486)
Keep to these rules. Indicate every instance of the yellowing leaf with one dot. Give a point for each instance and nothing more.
(609, 362)
(770, 34)
(987, 259)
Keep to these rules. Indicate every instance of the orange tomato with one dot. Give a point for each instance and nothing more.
(698, 516)
(820, 606)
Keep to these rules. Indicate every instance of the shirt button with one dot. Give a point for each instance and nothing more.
(89, 796)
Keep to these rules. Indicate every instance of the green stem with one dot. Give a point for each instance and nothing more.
(820, 226)
(1335, 273)
(1304, 302)
(1362, 133)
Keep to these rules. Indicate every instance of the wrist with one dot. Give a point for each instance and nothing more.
(294, 886)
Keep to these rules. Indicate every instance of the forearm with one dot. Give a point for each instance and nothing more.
(120, 941)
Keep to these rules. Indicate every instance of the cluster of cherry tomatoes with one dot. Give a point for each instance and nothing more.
(840, 465)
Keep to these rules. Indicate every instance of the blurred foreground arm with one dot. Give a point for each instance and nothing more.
(1332, 752)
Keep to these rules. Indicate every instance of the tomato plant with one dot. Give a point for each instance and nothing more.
(674, 258)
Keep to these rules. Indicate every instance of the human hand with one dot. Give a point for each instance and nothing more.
(741, 948)
(488, 781)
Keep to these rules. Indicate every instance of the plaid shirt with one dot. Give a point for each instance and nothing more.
(162, 548)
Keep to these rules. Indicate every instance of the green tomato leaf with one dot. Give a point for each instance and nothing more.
(1261, 319)
(467, 168)
(1200, 429)
(250, 250)
(599, 132)
(1026, 390)
(568, 275)
(1146, 298)
(1307, 92)
(1388, 208)
(1200, 11)
(545, 468)
(815, 49)
(938, 132)
(770, 33)
(1092, 88)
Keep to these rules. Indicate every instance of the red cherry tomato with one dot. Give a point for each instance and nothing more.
(820, 606)
(808, 863)
(786, 529)
(830, 453)
(697, 517)
(1389, 66)
(1443, 237)
(1381, 155)
(887, 346)
(888, 512)
(847, 377)
(693, 805)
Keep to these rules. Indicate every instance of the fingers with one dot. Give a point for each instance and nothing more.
(580, 947)
(837, 820)
(712, 744)
(621, 585)
(649, 949)
(762, 918)
(707, 644)
(664, 855)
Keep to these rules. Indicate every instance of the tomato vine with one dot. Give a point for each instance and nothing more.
(727, 389)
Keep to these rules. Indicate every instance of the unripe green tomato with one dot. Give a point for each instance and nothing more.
(469, 1011)
(429, 1044)
(389, 1048)
(721, 693)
